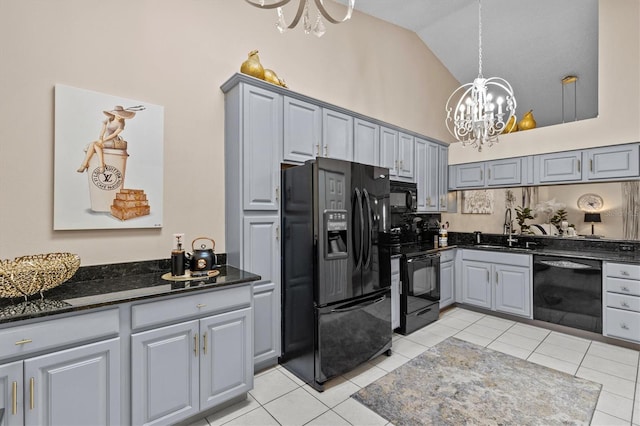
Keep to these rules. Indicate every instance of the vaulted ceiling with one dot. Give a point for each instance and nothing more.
(531, 44)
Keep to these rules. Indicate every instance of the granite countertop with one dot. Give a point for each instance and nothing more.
(97, 286)
(631, 257)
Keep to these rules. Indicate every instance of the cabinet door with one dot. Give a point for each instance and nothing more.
(513, 290)
(164, 374)
(261, 247)
(613, 162)
(11, 391)
(476, 283)
(389, 150)
(366, 142)
(426, 173)
(396, 291)
(78, 386)
(443, 175)
(302, 130)
(446, 284)
(226, 368)
(405, 155)
(266, 322)
(337, 135)
(504, 172)
(262, 131)
(469, 175)
(559, 166)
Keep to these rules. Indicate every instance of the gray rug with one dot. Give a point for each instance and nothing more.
(457, 383)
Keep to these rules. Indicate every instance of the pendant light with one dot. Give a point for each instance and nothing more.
(478, 112)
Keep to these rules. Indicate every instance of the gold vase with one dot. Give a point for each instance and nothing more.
(271, 77)
(252, 66)
(511, 125)
(527, 122)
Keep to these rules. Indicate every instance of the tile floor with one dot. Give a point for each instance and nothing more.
(279, 398)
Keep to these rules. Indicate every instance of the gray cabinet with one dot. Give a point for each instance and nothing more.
(78, 386)
(447, 274)
(559, 167)
(469, 175)
(266, 322)
(181, 369)
(366, 142)
(11, 393)
(302, 130)
(427, 176)
(396, 291)
(337, 135)
(621, 304)
(253, 137)
(621, 161)
(497, 281)
(389, 150)
(443, 175)
(504, 172)
(405, 155)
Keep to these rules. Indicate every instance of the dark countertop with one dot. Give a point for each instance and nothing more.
(98, 286)
(632, 257)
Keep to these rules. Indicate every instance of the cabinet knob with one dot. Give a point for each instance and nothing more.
(624, 288)
(624, 304)
(624, 273)
(624, 326)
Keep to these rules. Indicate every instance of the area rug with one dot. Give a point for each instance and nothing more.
(460, 383)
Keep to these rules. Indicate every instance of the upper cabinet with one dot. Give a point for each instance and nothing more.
(613, 162)
(609, 163)
(405, 155)
(366, 142)
(302, 130)
(388, 150)
(443, 175)
(426, 174)
(337, 135)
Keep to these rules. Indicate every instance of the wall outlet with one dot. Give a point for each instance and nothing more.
(626, 247)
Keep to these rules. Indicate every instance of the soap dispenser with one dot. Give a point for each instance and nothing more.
(177, 257)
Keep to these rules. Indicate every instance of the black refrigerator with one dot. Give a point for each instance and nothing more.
(336, 303)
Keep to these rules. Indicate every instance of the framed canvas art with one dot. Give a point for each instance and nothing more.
(477, 202)
(108, 171)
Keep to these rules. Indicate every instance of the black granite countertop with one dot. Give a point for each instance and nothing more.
(577, 254)
(97, 286)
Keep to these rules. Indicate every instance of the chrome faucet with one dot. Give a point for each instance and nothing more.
(507, 226)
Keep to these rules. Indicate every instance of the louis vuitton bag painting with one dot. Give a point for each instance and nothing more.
(108, 161)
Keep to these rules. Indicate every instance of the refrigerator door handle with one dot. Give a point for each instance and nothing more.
(359, 305)
(358, 211)
(369, 228)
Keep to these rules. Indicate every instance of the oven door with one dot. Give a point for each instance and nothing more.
(423, 277)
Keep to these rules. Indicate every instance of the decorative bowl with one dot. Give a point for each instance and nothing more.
(28, 275)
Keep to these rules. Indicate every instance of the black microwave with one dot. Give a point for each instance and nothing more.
(403, 197)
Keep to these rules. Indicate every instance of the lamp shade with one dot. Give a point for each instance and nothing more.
(592, 217)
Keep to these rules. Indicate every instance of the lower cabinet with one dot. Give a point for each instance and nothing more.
(266, 323)
(77, 386)
(396, 289)
(181, 369)
(497, 281)
(621, 310)
(447, 268)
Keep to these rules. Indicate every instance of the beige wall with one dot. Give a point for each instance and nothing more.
(618, 118)
(177, 53)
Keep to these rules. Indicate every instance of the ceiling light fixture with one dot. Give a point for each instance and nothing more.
(317, 28)
(474, 120)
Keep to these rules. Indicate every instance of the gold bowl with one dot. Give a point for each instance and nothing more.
(28, 275)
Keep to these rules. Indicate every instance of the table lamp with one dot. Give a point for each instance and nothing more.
(593, 218)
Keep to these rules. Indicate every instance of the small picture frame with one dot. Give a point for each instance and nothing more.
(477, 202)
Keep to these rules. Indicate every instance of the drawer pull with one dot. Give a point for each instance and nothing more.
(624, 273)
(195, 345)
(624, 304)
(23, 341)
(624, 288)
(204, 343)
(200, 306)
(624, 326)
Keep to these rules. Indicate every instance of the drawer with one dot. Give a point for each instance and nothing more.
(619, 285)
(447, 255)
(54, 333)
(184, 307)
(624, 324)
(622, 301)
(623, 270)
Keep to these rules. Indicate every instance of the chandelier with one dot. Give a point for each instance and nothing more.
(316, 27)
(483, 108)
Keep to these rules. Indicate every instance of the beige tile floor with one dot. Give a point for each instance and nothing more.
(279, 398)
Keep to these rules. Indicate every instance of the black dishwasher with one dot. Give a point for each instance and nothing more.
(568, 291)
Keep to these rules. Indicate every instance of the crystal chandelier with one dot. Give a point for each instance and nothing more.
(316, 27)
(474, 120)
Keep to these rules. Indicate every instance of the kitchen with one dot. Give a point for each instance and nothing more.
(159, 61)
